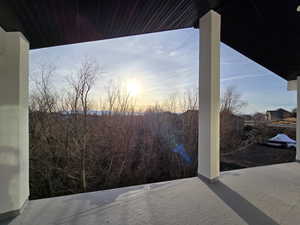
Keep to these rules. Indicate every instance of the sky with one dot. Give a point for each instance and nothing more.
(159, 65)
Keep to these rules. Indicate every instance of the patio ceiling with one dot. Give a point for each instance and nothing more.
(268, 32)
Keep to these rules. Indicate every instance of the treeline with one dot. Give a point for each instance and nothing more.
(73, 150)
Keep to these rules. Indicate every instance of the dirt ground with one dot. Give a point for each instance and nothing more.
(256, 155)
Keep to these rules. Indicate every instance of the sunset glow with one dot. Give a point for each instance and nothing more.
(133, 87)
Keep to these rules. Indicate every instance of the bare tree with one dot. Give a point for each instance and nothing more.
(231, 101)
(43, 98)
(230, 122)
(81, 85)
(189, 100)
(74, 151)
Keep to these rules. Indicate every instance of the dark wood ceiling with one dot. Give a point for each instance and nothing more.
(266, 31)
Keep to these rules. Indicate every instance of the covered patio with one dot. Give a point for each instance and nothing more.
(266, 33)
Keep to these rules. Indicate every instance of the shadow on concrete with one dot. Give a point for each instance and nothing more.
(241, 206)
(6, 222)
(8, 171)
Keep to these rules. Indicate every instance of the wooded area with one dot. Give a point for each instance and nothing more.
(76, 149)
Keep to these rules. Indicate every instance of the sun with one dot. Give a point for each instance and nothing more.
(133, 87)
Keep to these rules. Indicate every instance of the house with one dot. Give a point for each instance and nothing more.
(278, 114)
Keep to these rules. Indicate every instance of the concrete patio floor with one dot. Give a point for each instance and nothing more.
(262, 195)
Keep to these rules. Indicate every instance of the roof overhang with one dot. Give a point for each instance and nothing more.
(267, 32)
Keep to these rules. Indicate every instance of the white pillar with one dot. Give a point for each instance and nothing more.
(14, 141)
(298, 120)
(209, 96)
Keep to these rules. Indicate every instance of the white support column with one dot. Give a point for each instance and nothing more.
(294, 85)
(209, 96)
(298, 120)
(14, 141)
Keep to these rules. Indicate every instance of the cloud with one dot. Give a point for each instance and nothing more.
(245, 76)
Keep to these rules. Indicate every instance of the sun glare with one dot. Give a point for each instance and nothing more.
(133, 87)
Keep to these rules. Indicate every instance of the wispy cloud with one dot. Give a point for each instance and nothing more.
(244, 76)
